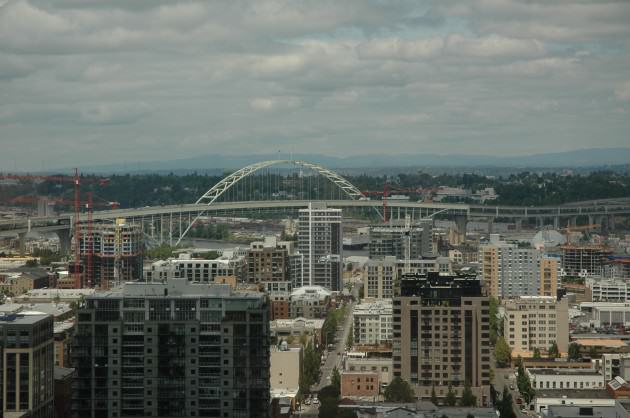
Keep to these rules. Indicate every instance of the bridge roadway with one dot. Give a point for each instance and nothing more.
(593, 209)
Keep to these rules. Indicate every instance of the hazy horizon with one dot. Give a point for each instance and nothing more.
(110, 82)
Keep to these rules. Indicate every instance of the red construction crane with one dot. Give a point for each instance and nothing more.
(76, 181)
(385, 193)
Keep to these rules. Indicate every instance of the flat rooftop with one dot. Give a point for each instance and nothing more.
(574, 393)
(598, 342)
(564, 372)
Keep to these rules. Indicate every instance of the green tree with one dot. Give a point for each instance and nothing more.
(468, 399)
(434, 398)
(399, 391)
(335, 379)
(524, 384)
(553, 351)
(574, 351)
(469, 415)
(495, 330)
(451, 398)
(592, 352)
(310, 370)
(537, 353)
(505, 405)
(350, 339)
(32, 263)
(502, 353)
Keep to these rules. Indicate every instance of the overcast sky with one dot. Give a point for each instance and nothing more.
(89, 81)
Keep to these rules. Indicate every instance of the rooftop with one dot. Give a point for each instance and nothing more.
(574, 393)
(23, 318)
(564, 372)
(599, 342)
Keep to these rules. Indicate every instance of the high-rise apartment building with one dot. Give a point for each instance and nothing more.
(320, 243)
(510, 271)
(173, 349)
(117, 254)
(536, 322)
(379, 277)
(197, 269)
(28, 365)
(441, 335)
(400, 241)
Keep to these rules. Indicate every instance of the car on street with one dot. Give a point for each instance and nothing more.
(315, 401)
(511, 387)
(307, 401)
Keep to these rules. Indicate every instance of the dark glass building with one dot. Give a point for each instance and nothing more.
(174, 349)
(28, 365)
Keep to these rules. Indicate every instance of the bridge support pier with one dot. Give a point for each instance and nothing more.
(611, 223)
(556, 222)
(64, 241)
(573, 221)
(461, 223)
(518, 224)
(490, 225)
(22, 242)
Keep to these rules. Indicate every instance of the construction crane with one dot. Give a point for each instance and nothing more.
(386, 192)
(76, 180)
(570, 229)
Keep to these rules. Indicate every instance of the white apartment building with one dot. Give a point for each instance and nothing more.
(615, 364)
(373, 323)
(565, 379)
(608, 290)
(197, 270)
(320, 243)
(536, 322)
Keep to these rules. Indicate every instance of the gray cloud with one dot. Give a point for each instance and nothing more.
(112, 80)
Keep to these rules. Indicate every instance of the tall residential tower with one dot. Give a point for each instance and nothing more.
(320, 243)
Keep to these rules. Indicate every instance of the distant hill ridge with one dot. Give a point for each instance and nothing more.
(594, 157)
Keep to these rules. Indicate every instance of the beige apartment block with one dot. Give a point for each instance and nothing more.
(536, 322)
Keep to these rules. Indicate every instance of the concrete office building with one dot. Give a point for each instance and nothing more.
(321, 245)
(372, 322)
(28, 365)
(416, 241)
(172, 349)
(536, 322)
(509, 271)
(441, 335)
(117, 254)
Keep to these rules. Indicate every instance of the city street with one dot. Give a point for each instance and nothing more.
(500, 381)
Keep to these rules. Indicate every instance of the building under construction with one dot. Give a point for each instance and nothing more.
(111, 254)
(584, 260)
(393, 240)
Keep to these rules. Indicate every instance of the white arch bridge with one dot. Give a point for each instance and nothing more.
(233, 194)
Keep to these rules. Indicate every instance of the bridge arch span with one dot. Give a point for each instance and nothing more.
(221, 187)
(224, 185)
